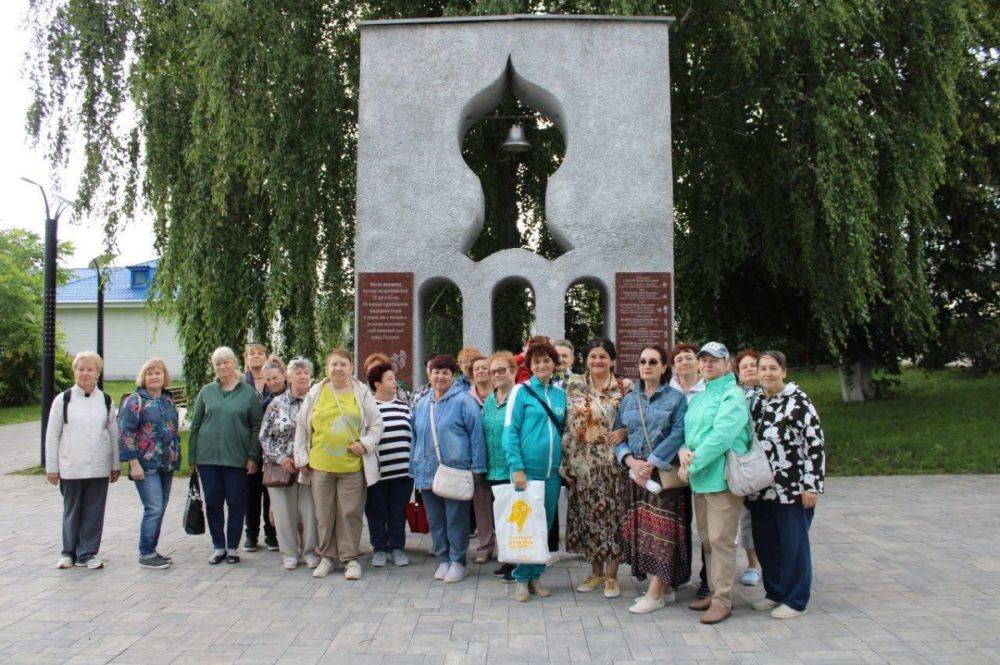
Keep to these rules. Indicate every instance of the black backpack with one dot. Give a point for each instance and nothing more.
(69, 393)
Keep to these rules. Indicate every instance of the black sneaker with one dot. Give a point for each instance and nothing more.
(508, 577)
(156, 562)
(271, 544)
(232, 558)
(504, 570)
(250, 545)
(704, 591)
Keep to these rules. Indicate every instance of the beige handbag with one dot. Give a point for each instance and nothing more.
(668, 477)
(449, 482)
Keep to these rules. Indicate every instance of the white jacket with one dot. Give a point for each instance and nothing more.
(370, 434)
(86, 446)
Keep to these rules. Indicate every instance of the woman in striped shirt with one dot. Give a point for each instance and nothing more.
(387, 499)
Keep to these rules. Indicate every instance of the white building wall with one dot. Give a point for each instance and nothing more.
(131, 336)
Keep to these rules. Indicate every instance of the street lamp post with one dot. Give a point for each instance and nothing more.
(48, 311)
(100, 316)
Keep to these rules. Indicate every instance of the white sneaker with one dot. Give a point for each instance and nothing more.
(456, 573)
(353, 570)
(95, 564)
(785, 612)
(324, 568)
(764, 605)
(442, 571)
(645, 604)
(399, 558)
(289, 563)
(379, 559)
(311, 561)
(64, 562)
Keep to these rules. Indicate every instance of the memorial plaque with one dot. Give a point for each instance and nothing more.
(385, 320)
(642, 316)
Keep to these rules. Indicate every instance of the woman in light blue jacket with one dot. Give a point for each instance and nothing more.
(459, 429)
(532, 433)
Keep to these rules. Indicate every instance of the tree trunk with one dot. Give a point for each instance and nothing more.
(857, 381)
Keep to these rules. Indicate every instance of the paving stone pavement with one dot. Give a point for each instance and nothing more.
(906, 571)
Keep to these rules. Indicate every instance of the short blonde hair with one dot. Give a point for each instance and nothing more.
(225, 353)
(507, 357)
(376, 358)
(92, 357)
(140, 379)
(468, 354)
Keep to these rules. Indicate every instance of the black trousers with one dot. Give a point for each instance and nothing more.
(258, 501)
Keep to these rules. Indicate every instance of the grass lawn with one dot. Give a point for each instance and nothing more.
(939, 422)
(11, 415)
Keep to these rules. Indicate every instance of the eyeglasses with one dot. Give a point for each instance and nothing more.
(649, 361)
(498, 371)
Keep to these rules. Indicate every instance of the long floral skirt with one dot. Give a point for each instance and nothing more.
(595, 510)
(655, 536)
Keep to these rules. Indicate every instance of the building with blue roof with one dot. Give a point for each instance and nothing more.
(132, 333)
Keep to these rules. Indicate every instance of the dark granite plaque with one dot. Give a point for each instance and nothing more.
(385, 320)
(642, 316)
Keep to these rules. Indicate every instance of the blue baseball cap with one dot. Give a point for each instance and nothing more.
(716, 349)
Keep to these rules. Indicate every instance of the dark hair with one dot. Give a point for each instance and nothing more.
(376, 373)
(444, 361)
(778, 356)
(681, 348)
(542, 348)
(745, 353)
(662, 352)
(601, 343)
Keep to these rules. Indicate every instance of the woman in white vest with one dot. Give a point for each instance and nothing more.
(81, 457)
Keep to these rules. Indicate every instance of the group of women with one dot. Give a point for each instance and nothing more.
(641, 462)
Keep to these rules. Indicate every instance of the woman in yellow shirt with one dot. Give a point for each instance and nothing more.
(336, 439)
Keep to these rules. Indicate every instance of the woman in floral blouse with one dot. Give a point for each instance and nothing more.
(595, 485)
(786, 424)
(290, 505)
(149, 440)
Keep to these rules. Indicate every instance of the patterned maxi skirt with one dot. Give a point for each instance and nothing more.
(656, 534)
(595, 510)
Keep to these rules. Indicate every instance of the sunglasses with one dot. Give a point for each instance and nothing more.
(648, 361)
(498, 371)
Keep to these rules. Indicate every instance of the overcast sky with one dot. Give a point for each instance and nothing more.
(20, 203)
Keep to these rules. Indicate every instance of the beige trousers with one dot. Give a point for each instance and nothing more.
(291, 506)
(717, 515)
(340, 506)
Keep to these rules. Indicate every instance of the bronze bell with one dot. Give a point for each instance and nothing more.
(516, 142)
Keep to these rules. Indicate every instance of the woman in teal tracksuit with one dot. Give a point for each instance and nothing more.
(531, 443)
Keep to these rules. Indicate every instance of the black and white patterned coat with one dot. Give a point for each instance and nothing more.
(789, 430)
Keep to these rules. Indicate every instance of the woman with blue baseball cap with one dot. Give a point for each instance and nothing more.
(717, 421)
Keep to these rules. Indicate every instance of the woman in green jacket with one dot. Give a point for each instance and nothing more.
(224, 448)
(531, 443)
(717, 421)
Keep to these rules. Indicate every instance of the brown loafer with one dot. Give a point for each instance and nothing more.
(716, 613)
(700, 604)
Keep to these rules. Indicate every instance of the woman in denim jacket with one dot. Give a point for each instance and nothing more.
(149, 440)
(656, 533)
(459, 428)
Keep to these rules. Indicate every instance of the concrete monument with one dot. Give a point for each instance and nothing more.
(604, 81)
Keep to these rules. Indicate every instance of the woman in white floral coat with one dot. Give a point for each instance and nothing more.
(787, 426)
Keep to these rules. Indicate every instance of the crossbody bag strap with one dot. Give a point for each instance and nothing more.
(552, 416)
(434, 434)
(642, 419)
(343, 419)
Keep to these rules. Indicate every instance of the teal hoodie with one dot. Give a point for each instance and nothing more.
(531, 442)
(717, 420)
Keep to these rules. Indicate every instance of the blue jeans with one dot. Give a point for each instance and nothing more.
(154, 492)
(781, 538)
(385, 509)
(526, 572)
(224, 485)
(449, 522)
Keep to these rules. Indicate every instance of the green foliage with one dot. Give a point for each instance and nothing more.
(834, 162)
(22, 256)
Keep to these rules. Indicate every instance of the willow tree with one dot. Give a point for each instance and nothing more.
(809, 142)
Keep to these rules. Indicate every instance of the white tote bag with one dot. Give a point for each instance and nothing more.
(449, 482)
(522, 530)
